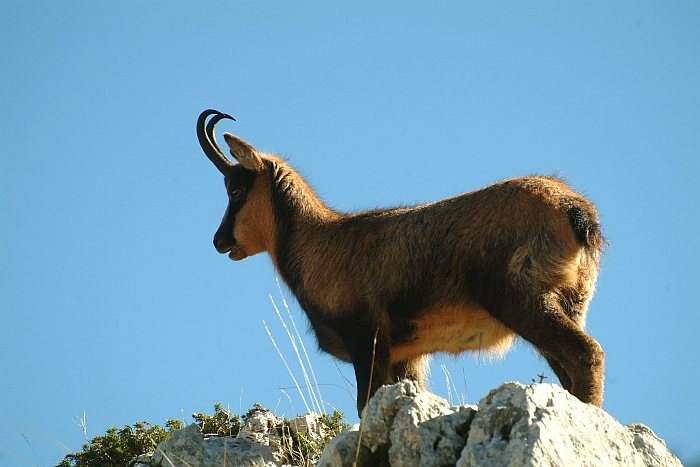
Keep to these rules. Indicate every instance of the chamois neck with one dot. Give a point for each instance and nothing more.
(296, 203)
(300, 217)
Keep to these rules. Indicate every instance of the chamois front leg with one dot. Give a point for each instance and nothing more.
(410, 369)
(369, 349)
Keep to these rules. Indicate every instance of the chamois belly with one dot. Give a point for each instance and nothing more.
(455, 330)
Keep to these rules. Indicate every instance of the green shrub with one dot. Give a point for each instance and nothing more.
(222, 423)
(119, 446)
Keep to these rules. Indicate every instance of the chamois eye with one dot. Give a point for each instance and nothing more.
(236, 193)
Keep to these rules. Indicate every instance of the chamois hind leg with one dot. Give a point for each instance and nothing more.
(577, 358)
(574, 303)
(559, 370)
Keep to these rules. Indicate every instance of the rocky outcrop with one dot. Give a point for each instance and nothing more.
(514, 425)
(403, 426)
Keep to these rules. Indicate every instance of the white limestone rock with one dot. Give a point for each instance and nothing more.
(187, 447)
(543, 425)
(307, 425)
(443, 437)
(341, 451)
(261, 428)
(418, 431)
(403, 426)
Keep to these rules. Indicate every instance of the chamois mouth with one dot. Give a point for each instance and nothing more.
(236, 253)
(224, 244)
(223, 249)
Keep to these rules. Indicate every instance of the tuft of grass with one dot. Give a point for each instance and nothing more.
(52, 445)
(314, 391)
(449, 382)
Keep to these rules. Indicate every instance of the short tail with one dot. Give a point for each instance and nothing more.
(584, 220)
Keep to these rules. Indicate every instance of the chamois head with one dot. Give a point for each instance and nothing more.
(246, 228)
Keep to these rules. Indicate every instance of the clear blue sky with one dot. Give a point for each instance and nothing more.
(113, 300)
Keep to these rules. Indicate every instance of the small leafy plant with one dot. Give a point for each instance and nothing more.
(119, 446)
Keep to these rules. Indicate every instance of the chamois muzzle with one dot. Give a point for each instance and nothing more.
(205, 134)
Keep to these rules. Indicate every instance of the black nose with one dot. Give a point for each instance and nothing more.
(222, 243)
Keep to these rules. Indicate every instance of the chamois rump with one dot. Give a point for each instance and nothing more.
(468, 273)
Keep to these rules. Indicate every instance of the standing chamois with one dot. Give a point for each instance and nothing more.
(467, 273)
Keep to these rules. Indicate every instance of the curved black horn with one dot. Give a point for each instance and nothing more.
(205, 134)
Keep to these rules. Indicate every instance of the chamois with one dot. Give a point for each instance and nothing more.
(467, 273)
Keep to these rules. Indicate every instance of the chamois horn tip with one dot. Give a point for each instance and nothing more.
(223, 115)
(205, 135)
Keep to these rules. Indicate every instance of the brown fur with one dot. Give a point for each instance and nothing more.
(467, 273)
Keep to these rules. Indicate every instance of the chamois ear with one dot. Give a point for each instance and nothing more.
(244, 153)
